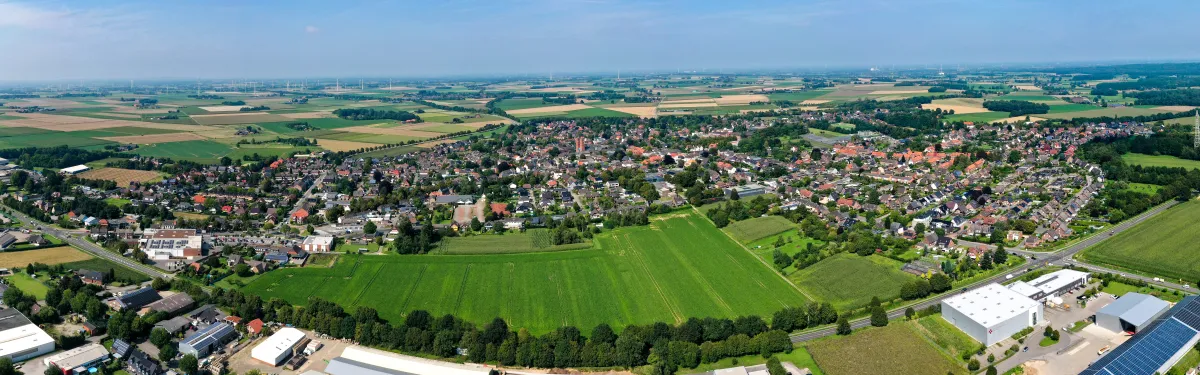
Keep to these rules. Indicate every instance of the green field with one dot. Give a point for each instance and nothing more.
(945, 335)
(448, 128)
(1145, 188)
(51, 139)
(1159, 161)
(579, 113)
(102, 265)
(895, 349)
(797, 97)
(9, 117)
(1164, 245)
(849, 280)
(371, 138)
(27, 284)
(1065, 108)
(15, 131)
(978, 117)
(675, 268)
(533, 240)
(799, 357)
(1117, 288)
(201, 151)
(749, 230)
(514, 104)
(1099, 112)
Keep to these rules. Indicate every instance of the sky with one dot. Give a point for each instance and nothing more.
(105, 39)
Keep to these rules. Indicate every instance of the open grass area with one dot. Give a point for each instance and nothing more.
(200, 151)
(28, 284)
(799, 357)
(1159, 161)
(752, 229)
(978, 117)
(680, 266)
(1067, 113)
(1150, 189)
(1119, 289)
(51, 139)
(514, 104)
(103, 265)
(946, 335)
(579, 113)
(850, 280)
(533, 240)
(895, 349)
(1164, 245)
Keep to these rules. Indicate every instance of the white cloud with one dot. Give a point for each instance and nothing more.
(65, 20)
(311, 29)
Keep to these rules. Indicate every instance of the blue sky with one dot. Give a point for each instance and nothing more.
(267, 39)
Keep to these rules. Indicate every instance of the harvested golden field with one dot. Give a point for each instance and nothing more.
(237, 118)
(681, 101)
(335, 145)
(1018, 119)
(307, 115)
(893, 92)
(643, 111)
(120, 175)
(369, 129)
(54, 255)
(66, 123)
(1028, 88)
(1176, 108)
(432, 144)
(224, 108)
(958, 105)
(121, 115)
(741, 99)
(553, 108)
(814, 102)
(687, 105)
(156, 138)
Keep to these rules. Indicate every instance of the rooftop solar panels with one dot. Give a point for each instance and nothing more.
(1151, 349)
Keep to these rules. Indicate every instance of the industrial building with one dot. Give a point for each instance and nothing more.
(75, 170)
(20, 339)
(77, 361)
(277, 348)
(1131, 313)
(1051, 285)
(163, 244)
(134, 299)
(991, 313)
(207, 340)
(1157, 347)
(357, 360)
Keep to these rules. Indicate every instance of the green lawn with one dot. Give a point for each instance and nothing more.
(797, 97)
(533, 240)
(1065, 108)
(945, 335)
(673, 269)
(51, 139)
(978, 117)
(752, 229)
(200, 151)
(896, 349)
(1145, 188)
(1164, 245)
(119, 202)
(103, 265)
(1047, 341)
(27, 284)
(1159, 161)
(850, 280)
(1119, 289)
(1067, 113)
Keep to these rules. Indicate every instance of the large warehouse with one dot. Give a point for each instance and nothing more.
(1131, 313)
(277, 348)
(20, 339)
(991, 313)
(1158, 347)
(1051, 285)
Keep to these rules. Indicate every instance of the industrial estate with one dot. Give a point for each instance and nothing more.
(995, 219)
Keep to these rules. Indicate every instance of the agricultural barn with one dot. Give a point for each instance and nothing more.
(991, 313)
(76, 361)
(1051, 285)
(20, 339)
(357, 360)
(1131, 313)
(1158, 347)
(76, 169)
(207, 340)
(279, 346)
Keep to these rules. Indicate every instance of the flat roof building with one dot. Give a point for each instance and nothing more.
(1158, 347)
(991, 313)
(1051, 285)
(357, 360)
(277, 348)
(75, 170)
(207, 340)
(1131, 313)
(77, 360)
(20, 339)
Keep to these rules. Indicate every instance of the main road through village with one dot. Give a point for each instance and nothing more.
(1058, 257)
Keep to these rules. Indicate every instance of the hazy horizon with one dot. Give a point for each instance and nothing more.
(118, 40)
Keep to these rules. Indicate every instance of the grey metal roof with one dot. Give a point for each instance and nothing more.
(343, 366)
(1135, 308)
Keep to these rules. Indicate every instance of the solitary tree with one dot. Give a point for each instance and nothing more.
(879, 317)
(843, 326)
(188, 364)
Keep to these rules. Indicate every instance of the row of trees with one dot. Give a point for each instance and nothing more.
(1016, 107)
(375, 114)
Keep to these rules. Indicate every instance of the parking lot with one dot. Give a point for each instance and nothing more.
(241, 362)
(1075, 350)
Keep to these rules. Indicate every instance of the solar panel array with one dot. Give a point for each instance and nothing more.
(1151, 348)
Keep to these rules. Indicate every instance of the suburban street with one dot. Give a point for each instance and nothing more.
(89, 247)
(1057, 257)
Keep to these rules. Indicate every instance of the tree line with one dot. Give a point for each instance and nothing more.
(1016, 107)
(375, 114)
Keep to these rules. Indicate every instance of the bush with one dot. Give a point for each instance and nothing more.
(973, 365)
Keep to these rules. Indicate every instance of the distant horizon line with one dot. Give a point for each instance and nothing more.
(798, 70)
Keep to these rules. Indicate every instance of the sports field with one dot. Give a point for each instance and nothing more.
(895, 349)
(1159, 161)
(749, 230)
(1164, 245)
(678, 267)
(850, 280)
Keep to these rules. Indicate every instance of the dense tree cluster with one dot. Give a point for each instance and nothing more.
(737, 210)
(1016, 107)
(54, 157)
(1167, 97)
(375, 114)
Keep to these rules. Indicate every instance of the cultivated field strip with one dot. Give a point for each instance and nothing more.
(677, 269)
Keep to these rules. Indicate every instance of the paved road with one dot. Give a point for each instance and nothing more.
(70, 237)
(1043, 258)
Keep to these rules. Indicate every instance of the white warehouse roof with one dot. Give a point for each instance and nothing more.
(1057, 280)
(75, 169)
(275, 348)
(19, 336)
(991, 304)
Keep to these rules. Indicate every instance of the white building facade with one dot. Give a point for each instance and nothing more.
(992, 313)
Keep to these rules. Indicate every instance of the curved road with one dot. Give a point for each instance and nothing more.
(89, 247)
(1043, 258)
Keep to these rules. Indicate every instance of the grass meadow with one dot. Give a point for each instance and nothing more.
(1159, 161)
(1163, 245)
(850, 280)
(675, 268)
(749, 230)
(895, 349)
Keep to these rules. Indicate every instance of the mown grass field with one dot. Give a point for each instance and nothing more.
(28, 284)
(850, 280)
(1164, 245)
(675, 268)
(533, 240)
(945, 335)
(203, 151)
(752, 229)
(895, 349)
(1159, 161)
(978, 117)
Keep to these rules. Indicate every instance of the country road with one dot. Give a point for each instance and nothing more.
(1043, 258)
(89, 247)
